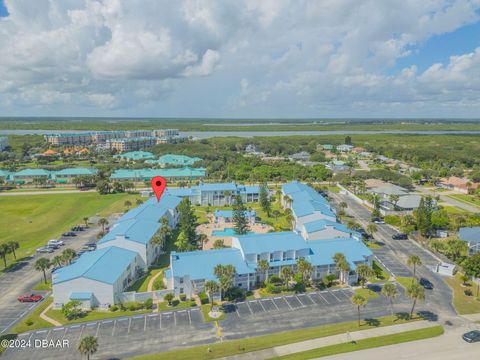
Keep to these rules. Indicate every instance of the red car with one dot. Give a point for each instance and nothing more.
(30, 298)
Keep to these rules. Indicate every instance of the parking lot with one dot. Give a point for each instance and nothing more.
(391, 262)
(114, 333)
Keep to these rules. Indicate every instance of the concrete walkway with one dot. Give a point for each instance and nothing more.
(332, 340)
(44, 316)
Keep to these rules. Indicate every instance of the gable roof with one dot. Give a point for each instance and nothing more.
(105, 265)
(270, 242)
(322, 251)
(322, 224)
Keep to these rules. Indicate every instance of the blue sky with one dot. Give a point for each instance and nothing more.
(232, 58)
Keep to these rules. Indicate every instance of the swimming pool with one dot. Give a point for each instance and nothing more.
(225, 232)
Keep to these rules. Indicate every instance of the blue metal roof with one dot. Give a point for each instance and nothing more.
(140, 231)
(322, 251)
(218, 187)
(270, 242)
(149, 173)
(321, 224)
(81, 295)
(229, 213)
(200, 264)
(105, 265)
(469, 234)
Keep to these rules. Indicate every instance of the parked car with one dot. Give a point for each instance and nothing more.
(472, 336)
(77, 228)
(69, 233)
(400, 236)
(426, 284)
(90, 246)
(30, 298)
(55, 243)
(378, 220)
(45, 249)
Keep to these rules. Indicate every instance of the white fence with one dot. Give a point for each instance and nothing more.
(142, 296)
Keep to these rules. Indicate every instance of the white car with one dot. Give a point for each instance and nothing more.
(55, 243)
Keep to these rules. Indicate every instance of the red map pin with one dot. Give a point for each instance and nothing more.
(158, 186)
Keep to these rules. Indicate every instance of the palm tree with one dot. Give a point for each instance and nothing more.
(68, 255)
(304, 268)
(103, 222)
(263, 265)
(13, 245)
(414, 261)
(88, 346)
(286, 274)
(287, 200)
(85, 220)
(43, 264)
(341, 264)
(364, 272)
(343, 205)
(464, 279)
(371, 229)
(57, 260)
(359, 301)
(211, 287)
(4, 251)
(415, 292)
(389, 290)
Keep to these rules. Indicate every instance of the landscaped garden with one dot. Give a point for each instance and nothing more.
(466, 300)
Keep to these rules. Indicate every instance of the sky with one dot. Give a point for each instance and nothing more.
(240, 59)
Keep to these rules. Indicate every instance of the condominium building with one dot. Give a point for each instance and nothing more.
(131, 144)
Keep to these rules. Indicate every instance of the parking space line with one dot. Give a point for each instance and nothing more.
(262, 306)
(251, 312)
(107, 321)
(64, 333)
(310, 297)
(331, 292)
(189, 317)
(236, 309)
(343, 293)
(96, 332)
(129, 323)
(285, 298)
(81, 332)
(114, 325)
(160, 317)
(194, 309)
(174, 319)
(303, 305)
(58, 329)
(323, 298)
(41, 331)
(145, 324)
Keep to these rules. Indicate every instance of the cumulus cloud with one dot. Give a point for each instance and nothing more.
(273, 58)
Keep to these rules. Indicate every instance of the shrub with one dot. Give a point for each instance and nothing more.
(235, 293)
(468, 292)
(273, 289)
(275, 279)
(148, 304)
(29, 322)
(249, 293)
(158, 284)
(168, 298)
(183, 297)
(134, 305)
(113, 308)
(329, 279)
(203, 298)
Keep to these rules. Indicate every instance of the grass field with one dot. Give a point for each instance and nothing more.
(367, 293)
(404, 281)
(233, 347)
(469, 199)
(370, 343)
(33, 321)
(92, 315)
(463, 304)
(35, 219)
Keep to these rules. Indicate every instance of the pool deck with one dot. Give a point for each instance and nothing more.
(207, 229)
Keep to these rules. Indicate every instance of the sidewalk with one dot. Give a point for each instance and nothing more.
(44, 316)
(332, 340)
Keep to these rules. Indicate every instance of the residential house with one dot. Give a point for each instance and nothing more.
(462, 185)
(471, 235)
(344, 148)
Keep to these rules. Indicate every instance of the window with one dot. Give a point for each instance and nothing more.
(181, 280)
(181, 290)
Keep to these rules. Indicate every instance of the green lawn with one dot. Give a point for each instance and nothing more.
(463, 304)
(33, 321)
(469, 199)
(33, 220)
(176, 304)
(141, 285)
(42, 286)
(374, 342)
(380, 273)
(404, 281)
(452, 210)
(367, 293)
(233, 347)
(93, 315)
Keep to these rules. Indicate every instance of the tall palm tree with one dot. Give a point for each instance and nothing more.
(341, 265)
(414, 261)
(359, 301)
(4, 251)
(263, 265)
(43, 264)
(389, 290)
(57, 260)
(364, 272)
(88, 346)
(13, 245)
(211, 287)
(68, 255)
(286, 273)
(415, 292)
(103, 223)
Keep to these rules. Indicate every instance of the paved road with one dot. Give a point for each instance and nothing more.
(448, 346)
(396, 252)
(20, 280)
(150, 333)
(448, 200)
